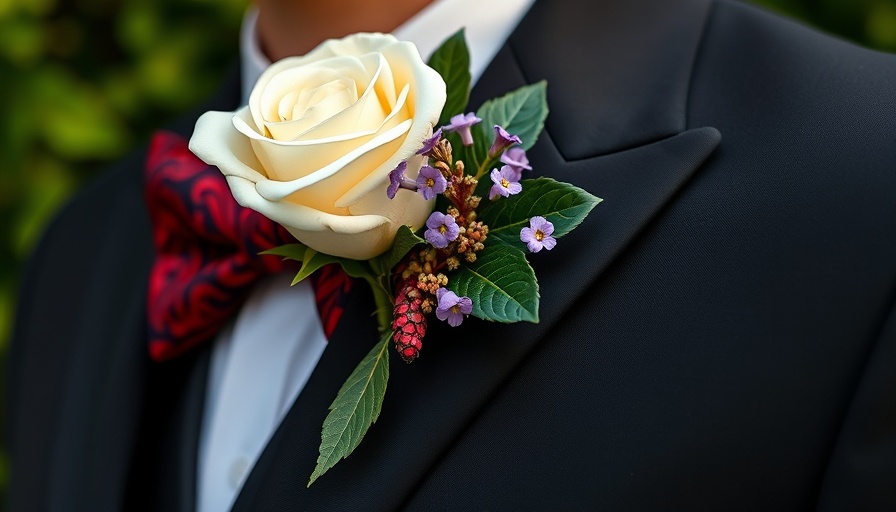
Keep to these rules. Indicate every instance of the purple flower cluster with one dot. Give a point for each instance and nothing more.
(507, 180)
(430, 181)
(442, 229)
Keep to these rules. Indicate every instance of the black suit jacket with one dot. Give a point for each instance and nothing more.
(720, 334)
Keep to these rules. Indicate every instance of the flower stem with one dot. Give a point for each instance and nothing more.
(384, 306)
(485, 166)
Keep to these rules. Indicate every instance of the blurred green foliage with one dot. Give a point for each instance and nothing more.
(82, 81)
(871, 23)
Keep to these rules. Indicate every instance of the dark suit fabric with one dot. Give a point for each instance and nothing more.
(720, 334)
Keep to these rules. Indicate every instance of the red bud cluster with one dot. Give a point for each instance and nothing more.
(409, 320)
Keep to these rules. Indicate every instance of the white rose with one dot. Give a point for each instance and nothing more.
(313, 149)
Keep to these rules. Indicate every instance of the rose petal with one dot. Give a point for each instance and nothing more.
(216, 142)
(357, 45)
(408, 208)
(281, 78)
(300, 217)
(354, 45)
(368, 111)
(289, 160)
(278, 190)
(307, 112)
(428, 97)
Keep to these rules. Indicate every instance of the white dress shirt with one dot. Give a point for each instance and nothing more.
(260, 362)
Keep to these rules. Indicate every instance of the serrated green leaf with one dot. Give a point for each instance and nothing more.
(405, 240)
(452, 61)
(356, 407)
(564, 205)
(501, 285)
(521, 112)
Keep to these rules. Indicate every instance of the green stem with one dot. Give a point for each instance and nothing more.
(384, 306)
(484, 168)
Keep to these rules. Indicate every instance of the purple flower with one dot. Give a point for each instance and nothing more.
(451, 307)
(430, 182)
(538, 235)
(461, 124)
(430, 143)
(516, 158)
(397, 180)
(442, 230)
(503, 140)
(506, 183)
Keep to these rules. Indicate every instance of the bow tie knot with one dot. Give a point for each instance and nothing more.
(207, 252)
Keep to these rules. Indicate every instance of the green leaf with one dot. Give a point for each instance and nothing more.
(564, 205)
(312, 261)
(405, 240)
(295, 252)
(356, 407)
(452, 61)
(521, 112)
(501, 285)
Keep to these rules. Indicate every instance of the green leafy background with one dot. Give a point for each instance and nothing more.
(83, 81)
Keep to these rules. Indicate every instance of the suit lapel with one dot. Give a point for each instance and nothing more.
(618, 72)
(430, 402)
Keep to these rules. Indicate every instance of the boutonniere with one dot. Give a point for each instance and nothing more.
(368, 156)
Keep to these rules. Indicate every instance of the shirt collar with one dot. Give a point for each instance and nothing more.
(252, 61)
(487, 25)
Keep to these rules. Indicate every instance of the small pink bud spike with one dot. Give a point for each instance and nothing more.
(409, 321)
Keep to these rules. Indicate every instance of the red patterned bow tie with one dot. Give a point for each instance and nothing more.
(207, 249)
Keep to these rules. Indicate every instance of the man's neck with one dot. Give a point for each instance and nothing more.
(294, 27)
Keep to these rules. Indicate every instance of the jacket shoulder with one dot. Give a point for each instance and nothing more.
(781, 60)
(771, 84)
